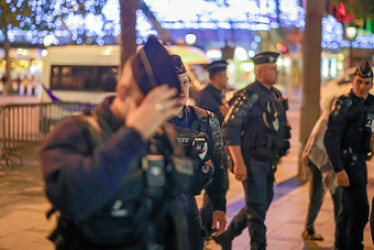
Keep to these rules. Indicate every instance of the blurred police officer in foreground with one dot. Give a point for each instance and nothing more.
(198, 130)
(211, 97)
(114, 174)
(256, 132)
(347, 142)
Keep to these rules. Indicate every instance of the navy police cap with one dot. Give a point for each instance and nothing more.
(265, 57)
(152, 66)
(178, 65)
(364, 70)
(216, 66)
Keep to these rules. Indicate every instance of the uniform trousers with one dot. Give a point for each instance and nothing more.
(194, 234)
(355, 208)
(259, 193)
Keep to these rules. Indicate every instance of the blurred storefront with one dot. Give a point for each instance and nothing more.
(25, 63)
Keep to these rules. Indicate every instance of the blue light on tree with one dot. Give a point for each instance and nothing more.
(84, 24)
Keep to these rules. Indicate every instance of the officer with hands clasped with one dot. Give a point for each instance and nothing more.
(198, 130)
(347, 142)
(256, 132)
(116, 175)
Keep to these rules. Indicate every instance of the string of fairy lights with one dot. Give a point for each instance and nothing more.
(100, 22)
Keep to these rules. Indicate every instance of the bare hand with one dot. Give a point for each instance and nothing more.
(220, 217)
(240, 172)
(158, 106)
(343, 179)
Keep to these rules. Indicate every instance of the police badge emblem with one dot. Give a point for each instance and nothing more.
(203, 151)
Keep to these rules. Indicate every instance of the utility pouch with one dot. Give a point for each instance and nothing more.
(266, 147)
(183, 171)
(154, 167)
(202, 176)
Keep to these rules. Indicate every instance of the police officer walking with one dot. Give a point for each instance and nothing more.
(113, 174)
(211, 97)
(347, 142)
(256, 132)
(198, 130)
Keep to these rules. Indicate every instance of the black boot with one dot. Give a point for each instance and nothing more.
(225, 240)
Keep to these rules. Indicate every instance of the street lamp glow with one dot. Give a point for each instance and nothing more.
(286, 62)
(44, 52)
(247, 67)
(48, 40)
(240, 54)
(190, 39)
(351, 32)
(280, 62)
(214, 54)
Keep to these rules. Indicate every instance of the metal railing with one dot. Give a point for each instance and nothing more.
(26, 125)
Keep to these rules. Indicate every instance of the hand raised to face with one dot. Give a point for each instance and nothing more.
(158, 106)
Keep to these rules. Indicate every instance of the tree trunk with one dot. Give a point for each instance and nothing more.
(128, 32)
(8, 68)
(310, 107)
(148, 13)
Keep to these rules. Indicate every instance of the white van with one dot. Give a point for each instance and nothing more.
(87, 73)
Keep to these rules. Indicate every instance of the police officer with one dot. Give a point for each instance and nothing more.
(112, 175)
(347, 142)
(210, 98)
(198, 130)
(256, 132)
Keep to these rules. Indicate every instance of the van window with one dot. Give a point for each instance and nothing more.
(85, 78)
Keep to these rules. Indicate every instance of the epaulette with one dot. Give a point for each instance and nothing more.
(206, 117)
(202, 121)
(242, 104)
(246, 97)
(213, 120)
(341, 104)
(201, 113)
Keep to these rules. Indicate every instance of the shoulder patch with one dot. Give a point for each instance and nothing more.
(213, 120)
(341, 104)
(201, 113)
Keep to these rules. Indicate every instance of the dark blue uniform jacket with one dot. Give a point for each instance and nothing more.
(216, 189)
(210, 99)
(80, 182)
(347, 129)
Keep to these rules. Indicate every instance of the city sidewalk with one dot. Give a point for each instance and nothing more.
(23, 225)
